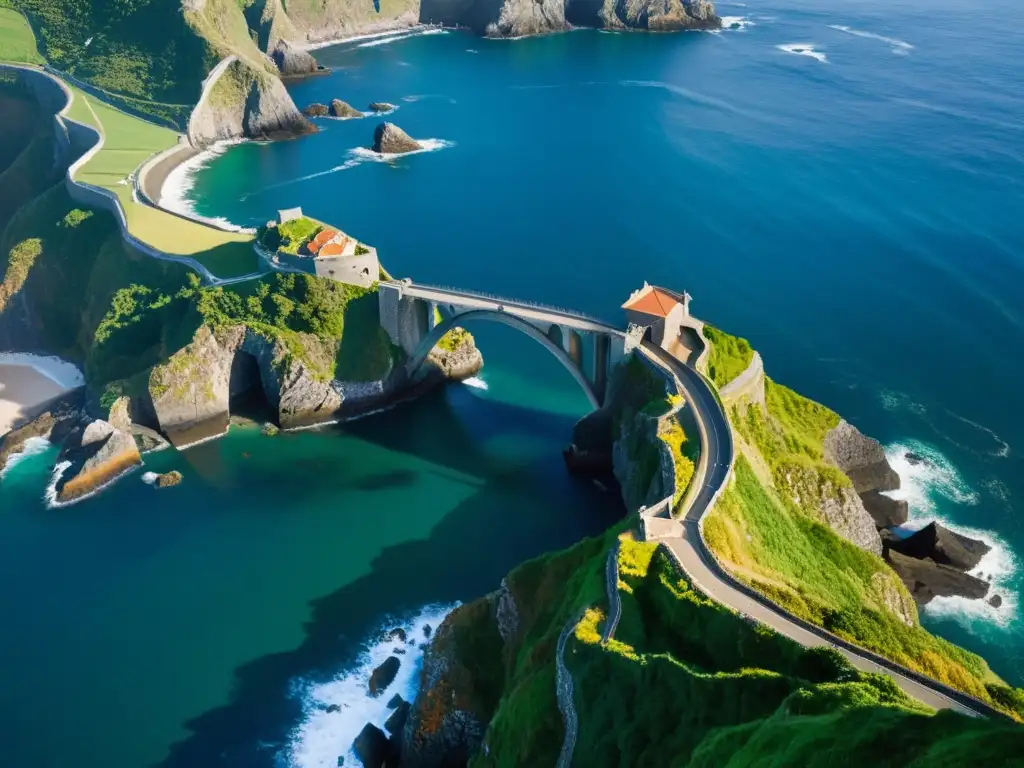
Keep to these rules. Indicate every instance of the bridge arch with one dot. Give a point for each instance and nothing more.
(428, 342)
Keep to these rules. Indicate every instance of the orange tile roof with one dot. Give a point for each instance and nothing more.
(334, 248)
(652, 301)
(324, 236)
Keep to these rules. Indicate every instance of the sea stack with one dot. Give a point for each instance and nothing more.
(292, 61)
(389, 139)
(382, 106)
(342, 109)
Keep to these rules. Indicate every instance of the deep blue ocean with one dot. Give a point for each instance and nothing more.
(841, 184)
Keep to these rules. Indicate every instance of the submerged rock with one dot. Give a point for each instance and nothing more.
(395, 634)
(426, 630)
(995, 601)
(316, 110)
(269, 430)
(292, 61)
(396, 720)
(861, 458)
(384, 675)
(168, 479)
(340, 108)
(914, 458)
(382, 106)
(98, 454)
(926, 579)
(944, 546)
(395, 701)
(389, 139)
(885, 511)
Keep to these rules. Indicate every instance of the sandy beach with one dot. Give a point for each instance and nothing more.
(28, 380)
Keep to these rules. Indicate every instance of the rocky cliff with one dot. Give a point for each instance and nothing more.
(244, 101)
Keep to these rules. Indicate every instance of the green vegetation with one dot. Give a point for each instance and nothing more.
(685, 682)
(454, 339)
(685, 454)
(290, 236)
(17, 43)
(768, 527)
(730, 356)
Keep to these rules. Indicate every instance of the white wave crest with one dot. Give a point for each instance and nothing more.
(735, 24)
(177, 187)
(149, 478)
(804, 49)
(50, 494)
(476, 382)
(324, 735)
(925, 485)
(394, 38)
(362, 154)
(31, 447)
(899, 47)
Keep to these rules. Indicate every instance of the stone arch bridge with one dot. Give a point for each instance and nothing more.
(417, 316)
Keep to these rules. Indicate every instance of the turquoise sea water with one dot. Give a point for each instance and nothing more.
(855, 213)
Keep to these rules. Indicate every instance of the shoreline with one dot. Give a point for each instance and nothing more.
(29, 381)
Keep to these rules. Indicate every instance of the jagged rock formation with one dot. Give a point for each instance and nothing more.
(944, 546)
(384, 675)
(389, 139)
(168, 479)
(372, 747)
(885, 511)
(316, 110)
(926, 579)
(62, 417)
(459, 363)
(292, 61)
(98, 453)
(382, 106)
(248, 102)
(342, 109)
(861, 458)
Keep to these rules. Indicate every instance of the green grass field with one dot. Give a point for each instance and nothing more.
(128, 142)
(17, 43)
(730, 356)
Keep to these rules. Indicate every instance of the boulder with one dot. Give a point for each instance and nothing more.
(316, 110)
(384, 675)
(885, 511)
(913, 459)
(861, 458)
(395, 701)
(342, 109)
(389, 139)
(926, 579)
(168, 479)
(292, 61)
(944, 546)
(396, 720)
(97, 455)
(397, 633)
(372, 747)
(995, 601)
(269, 430)
(382, 106)
(426, 630)
(458, 362)
(660, 15)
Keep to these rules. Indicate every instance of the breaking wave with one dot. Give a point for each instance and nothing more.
(334, 712)
(364, 155)
(929, 484)
(475, 382)
(31, 447)
(804, 49)
(899, 47)
(177, 187)
(384, 40)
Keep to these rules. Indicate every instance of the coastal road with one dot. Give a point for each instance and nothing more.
(699, 564)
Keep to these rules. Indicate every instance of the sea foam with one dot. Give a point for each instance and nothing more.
(31, 447)
(899, 47)
(323, 736)
(395, 38)
(475, 382)
(735, 24)
(804, 49)
(57, 370)
(175, 194)
(925, 486)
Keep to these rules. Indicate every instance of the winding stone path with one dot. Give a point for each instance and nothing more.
(611, 575)
(564, 693)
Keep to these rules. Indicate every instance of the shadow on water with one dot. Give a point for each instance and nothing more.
(466, 554)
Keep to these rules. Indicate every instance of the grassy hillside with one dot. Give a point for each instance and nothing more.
(17, 43)
(685, 682)
(782, 548)
(730, 355)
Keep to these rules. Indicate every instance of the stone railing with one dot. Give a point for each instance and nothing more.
(750, 383)
(611, 575)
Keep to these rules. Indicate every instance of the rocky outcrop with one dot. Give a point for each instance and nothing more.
(944, 546)
(168, 479)
(458, 363)
(926, 579)
(384, 675)
(245, 102)
(884, 510)
(890, 596)
(60, 419)
(395, 723)
(519, 18)
(344, 110)
(372, 747)
(389, 139)
(96, 455)
(381, 107)
(316, 110)
(861, 458)
(659, 15)
(292, 61)
(845, 514)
